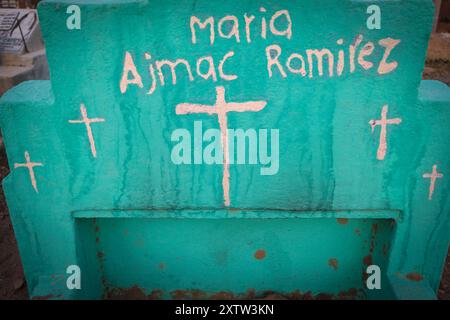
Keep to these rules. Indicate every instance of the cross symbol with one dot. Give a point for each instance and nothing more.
(30, 165)
(221, 109)
(87, 122)
(432, 176)
(383, 122)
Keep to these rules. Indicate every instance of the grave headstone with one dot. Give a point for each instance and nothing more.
(19, 31)
(22, 52)
(229, 149)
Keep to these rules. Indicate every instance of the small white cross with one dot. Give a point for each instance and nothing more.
(383, 122)
(221, 108)
(30, 165)
(432, 176)
(87, 122)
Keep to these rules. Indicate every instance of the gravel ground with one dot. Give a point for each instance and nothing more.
(12, 282)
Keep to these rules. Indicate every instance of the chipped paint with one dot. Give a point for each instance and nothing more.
(260, 254)
(334, 263)
(137, 293)
(342, 220)
(414, 276)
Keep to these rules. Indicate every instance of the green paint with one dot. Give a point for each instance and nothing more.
(147, 212)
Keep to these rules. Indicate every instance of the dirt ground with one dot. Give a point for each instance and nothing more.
(12, 281)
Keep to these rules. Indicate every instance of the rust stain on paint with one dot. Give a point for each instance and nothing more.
(260, 254)
(156, 294)
(334, 263)
(133, 293)
(162, 266)
(342, 220)
(372, 238)
(324, 296)
(350, 294)
(367, 260)
(47, 297)
(222, 295)
(188, 294)
(414, 276)
(385, 249)
(251, 293)
(365, 276)
(136, 293)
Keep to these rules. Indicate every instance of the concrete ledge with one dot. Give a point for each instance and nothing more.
(212, 213)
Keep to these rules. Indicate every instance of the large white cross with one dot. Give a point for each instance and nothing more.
(30, 165)
(383, 122)
(87, 122)
(432, 176)
(221, 108)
